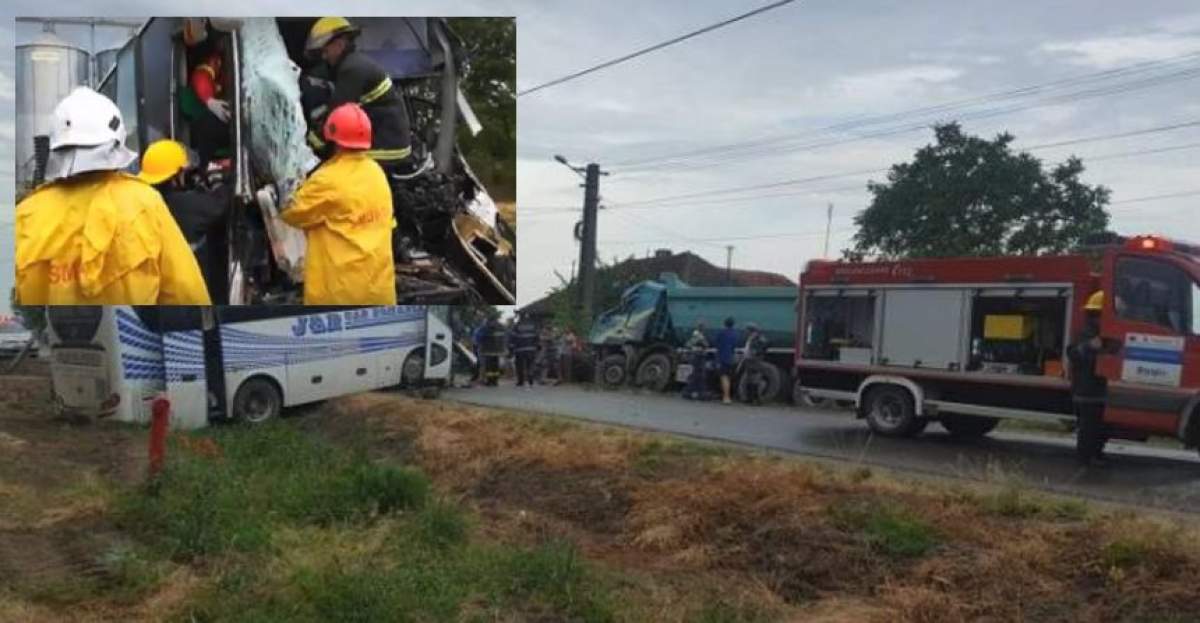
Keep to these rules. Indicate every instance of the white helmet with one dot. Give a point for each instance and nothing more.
(86, 118)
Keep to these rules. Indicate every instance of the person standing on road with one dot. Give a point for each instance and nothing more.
(476, 345)
(566, 356)
(727, 341)
(697, 345)
(752, 360)
(1088, 389)
(524, 343)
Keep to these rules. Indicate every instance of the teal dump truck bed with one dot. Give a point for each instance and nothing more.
(773, 309)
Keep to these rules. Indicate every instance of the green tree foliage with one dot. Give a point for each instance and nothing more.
(968, 196)
(33, 317)
(490, 86)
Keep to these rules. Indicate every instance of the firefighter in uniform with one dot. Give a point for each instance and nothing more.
(95, 235)
(357, 79)
(1088, 389)
(343, 208)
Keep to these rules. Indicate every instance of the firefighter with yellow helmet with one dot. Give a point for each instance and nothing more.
(94, 235)
(358, 79)
(1088, 388)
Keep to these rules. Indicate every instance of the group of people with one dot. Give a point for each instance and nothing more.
(754, 350)
(93, 234)
(536, 353)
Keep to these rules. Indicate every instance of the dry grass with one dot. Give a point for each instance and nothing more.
(789, 539)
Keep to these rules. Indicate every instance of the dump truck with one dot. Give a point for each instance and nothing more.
(968, 342)
(450, 246)
(640, 342)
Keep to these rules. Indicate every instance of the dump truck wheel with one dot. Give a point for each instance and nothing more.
(654, 373)
(769, 381)
(612, 371)
(968, 425)
(891, 413)
(258, 400)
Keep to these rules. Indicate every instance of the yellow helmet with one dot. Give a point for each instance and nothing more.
(324, 30)
(162, 160)
(1095, 302)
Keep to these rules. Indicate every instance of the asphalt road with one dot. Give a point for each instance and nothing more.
(1136, 474)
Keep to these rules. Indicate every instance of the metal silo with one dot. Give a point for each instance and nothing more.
(47, 70)
(105, 60)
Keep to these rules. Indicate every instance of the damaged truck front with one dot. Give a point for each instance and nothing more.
(449, 244)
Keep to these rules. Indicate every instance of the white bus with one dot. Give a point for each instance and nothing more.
(237, 363)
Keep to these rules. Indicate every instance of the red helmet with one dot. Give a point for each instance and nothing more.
(349, 127)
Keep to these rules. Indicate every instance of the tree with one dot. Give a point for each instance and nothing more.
(490, 86)
(967, 196)
(33, 317)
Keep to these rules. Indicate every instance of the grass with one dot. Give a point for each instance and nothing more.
(656, 454)
(1013, 501)
(230, 491)
(295, 529)
(888, 528)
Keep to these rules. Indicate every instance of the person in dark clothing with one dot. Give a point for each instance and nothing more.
(752, 360)
(727, 341)
(359, 79)
(491, 349)
(476, 347)
(524, 344)
(1088, 389)
(199, 212)
(697, 344)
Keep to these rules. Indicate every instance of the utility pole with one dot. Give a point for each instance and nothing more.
(828, 223)
(587, 236)
(728, 264)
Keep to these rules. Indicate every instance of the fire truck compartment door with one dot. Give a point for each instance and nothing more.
(924, 328)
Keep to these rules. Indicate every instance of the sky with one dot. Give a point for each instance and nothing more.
(780, 81)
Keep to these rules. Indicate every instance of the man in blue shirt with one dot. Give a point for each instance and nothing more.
(727, 341)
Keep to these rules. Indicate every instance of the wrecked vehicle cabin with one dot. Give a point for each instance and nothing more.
(449, 244)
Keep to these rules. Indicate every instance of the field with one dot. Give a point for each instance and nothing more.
(385, 507)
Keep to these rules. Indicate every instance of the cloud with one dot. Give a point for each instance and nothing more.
(1109, 52)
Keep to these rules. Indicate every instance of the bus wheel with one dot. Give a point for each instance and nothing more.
(257, 401)
(612, 371)
(891, 413)
(654, 373)
(413, 370)
(968, 426)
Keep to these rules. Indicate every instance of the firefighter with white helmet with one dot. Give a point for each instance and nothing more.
(94, 235)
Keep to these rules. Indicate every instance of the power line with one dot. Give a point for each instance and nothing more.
(806, 180)
(1186, 193)
(657, 46)
(747, 151)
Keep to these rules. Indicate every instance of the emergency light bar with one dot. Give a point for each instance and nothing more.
(1149, 243)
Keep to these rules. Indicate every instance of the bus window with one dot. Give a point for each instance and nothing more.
(1155, 293)
(75, 323)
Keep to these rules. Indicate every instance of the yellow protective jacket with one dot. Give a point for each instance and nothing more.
(103, 238)
(345, 209)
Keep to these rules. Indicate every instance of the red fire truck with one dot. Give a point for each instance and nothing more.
(966, 342)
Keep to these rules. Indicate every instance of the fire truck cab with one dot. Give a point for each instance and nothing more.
(969, 341)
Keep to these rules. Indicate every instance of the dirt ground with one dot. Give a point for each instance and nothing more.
(56, 480)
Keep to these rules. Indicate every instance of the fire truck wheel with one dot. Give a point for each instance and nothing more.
(968, 425)
(654, 373)
(612, 371)
(257, 401)
(890, 412)
(769, 382)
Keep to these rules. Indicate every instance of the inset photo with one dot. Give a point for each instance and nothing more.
(252, 161)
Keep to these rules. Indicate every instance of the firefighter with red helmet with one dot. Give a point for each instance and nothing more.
(345, 210)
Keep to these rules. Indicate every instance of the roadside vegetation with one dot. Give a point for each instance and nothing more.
(383, 508)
